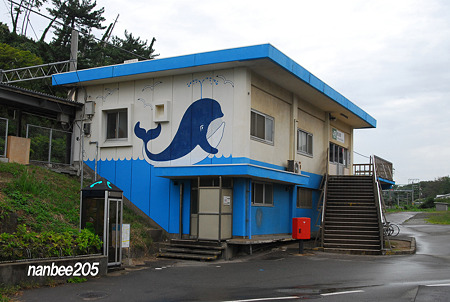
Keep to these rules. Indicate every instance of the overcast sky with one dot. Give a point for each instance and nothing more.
(391, 58)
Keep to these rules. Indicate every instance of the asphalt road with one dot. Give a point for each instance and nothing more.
(283, 275)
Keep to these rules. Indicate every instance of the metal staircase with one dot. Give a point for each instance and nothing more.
(351, 220)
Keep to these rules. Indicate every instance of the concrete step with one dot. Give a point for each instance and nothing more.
(354, 214)
(352, 236)
(353, 251)
(347, 219)
(348, 203)
(191, 251)
(340, 245)
(349, 229)
(197, 244)
(355, 241)
(188, 256)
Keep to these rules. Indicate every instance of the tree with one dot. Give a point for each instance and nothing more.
(11, 57)
(83, 16)
(74, 14)
(128, 48)
(24, 8)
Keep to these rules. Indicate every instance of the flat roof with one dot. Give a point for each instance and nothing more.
(264, 60)
(235, 170)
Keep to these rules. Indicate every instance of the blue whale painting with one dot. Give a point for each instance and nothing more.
(192, 131)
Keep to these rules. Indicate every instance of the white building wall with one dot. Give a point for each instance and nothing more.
(276, 102)
(142, 97)
(313, 120)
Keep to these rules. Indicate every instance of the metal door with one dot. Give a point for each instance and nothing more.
(114, 231)
(212, 210)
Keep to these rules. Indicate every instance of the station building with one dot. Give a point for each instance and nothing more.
(219, 145)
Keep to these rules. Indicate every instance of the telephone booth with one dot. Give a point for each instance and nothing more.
(101, 211)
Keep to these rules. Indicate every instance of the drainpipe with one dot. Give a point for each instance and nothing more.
(96, 156)
(181, 210)
(249, 209)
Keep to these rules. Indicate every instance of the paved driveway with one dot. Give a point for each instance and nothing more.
(283, 276)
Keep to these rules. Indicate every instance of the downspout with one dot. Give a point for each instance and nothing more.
(248, 209)
(181, 210)
(96, 158)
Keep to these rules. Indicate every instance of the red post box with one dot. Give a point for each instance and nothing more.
(301, 228)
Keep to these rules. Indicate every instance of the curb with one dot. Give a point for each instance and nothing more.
(410, 251)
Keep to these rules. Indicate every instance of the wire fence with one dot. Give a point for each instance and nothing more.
(3, 136)
(17, 254)
(49, 145)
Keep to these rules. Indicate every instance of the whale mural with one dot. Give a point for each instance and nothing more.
(198, 135)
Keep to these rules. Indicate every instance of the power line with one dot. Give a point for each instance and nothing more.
(99, 40)
(361, 154)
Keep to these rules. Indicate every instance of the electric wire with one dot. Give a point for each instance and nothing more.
(97, 39)
(361, 154)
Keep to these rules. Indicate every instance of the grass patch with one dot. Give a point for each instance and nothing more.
(76, 280)
(409, 208)
(47, 201)
(7, 292)
(439, 218)
(42, 199)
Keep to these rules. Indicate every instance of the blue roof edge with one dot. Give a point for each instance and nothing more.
(262, 51)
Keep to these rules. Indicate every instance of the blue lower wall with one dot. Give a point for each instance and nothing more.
(274, 219)
(159, 198)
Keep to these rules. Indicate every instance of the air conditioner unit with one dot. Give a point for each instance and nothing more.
(294, 166)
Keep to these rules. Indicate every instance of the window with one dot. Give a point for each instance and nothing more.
(339, 155)
(304, 142)
(262, 127)
(304, 198)
(262, 193)
(116, 124)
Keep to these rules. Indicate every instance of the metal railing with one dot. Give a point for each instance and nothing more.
(384, 168)
(363, 169)
(380, 205)
(324, 203)
(49, 145)
(34, 72)
(3, 136)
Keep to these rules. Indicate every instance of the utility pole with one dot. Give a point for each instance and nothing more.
(413, 182)
(73, 50)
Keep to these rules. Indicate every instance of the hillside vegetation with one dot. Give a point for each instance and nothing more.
(45, 201)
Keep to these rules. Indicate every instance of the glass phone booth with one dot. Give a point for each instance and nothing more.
(101, 209)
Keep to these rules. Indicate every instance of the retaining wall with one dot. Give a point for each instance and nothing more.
(42, 271)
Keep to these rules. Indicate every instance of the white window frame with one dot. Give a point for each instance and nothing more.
(267, 132)
(118, 122)
(342, 160)
(308, 146)
(103, 125)
(263, 202)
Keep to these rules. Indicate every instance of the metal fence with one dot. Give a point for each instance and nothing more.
(49, 145)
(3, 136)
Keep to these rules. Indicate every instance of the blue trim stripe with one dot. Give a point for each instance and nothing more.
(390, 182)
(257, 52)
(239, 170)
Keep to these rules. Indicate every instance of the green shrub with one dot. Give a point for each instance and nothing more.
(24, 244)
(428, 203)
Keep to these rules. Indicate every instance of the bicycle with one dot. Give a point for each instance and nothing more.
(390, 229)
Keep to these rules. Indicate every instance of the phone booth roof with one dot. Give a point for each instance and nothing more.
(99, 187)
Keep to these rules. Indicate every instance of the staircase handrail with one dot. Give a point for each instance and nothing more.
(325, 187)
(382, 219)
